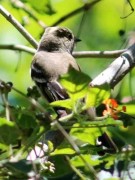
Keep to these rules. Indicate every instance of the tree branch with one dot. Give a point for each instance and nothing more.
(31, 40)
(98, 54)
(18, 26)
(23, 31)
(20, 5)
(76, 54)
(117, 69)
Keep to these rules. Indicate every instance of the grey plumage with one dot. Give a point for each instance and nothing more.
(52, 59)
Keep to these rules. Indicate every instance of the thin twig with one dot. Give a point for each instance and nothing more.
(92, 126)
(28, 144)
(18, 26)
(87, 6)
(81, 25)
(132, 10)
(6, 104)
(31, 100)
(98, 54)
(75, 169)
(69, 139)
(5, 97)
(18, 48)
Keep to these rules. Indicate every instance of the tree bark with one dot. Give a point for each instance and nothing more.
(116, 70)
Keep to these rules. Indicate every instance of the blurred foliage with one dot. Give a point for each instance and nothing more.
(102, 27)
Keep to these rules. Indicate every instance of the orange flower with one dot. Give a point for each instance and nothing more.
(112, 108)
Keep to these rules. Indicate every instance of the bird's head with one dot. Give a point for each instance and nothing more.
(58, 39)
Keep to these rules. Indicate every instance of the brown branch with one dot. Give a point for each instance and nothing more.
(18, 26)
(87, 6)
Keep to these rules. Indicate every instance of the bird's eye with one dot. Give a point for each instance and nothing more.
(69, 36)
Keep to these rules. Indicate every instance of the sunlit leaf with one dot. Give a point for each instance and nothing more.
(88, 135)
(95, 96)
(63, 151)
(76, 84)
(68, 103)
(76, 161)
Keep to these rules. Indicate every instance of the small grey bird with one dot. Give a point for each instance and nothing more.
(53, 59)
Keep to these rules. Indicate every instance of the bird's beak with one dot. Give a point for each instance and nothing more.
(77, 39)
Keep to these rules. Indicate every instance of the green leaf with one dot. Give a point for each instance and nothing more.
(88, 135)
(76, 161)
(27, 121)
(95, 96)
(76, 84)
(21, 166)
(109, 159)
(68, 103)
(4, 151)
(63, 151)
(9, 133)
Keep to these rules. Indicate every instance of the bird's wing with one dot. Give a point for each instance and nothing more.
(50, 89)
